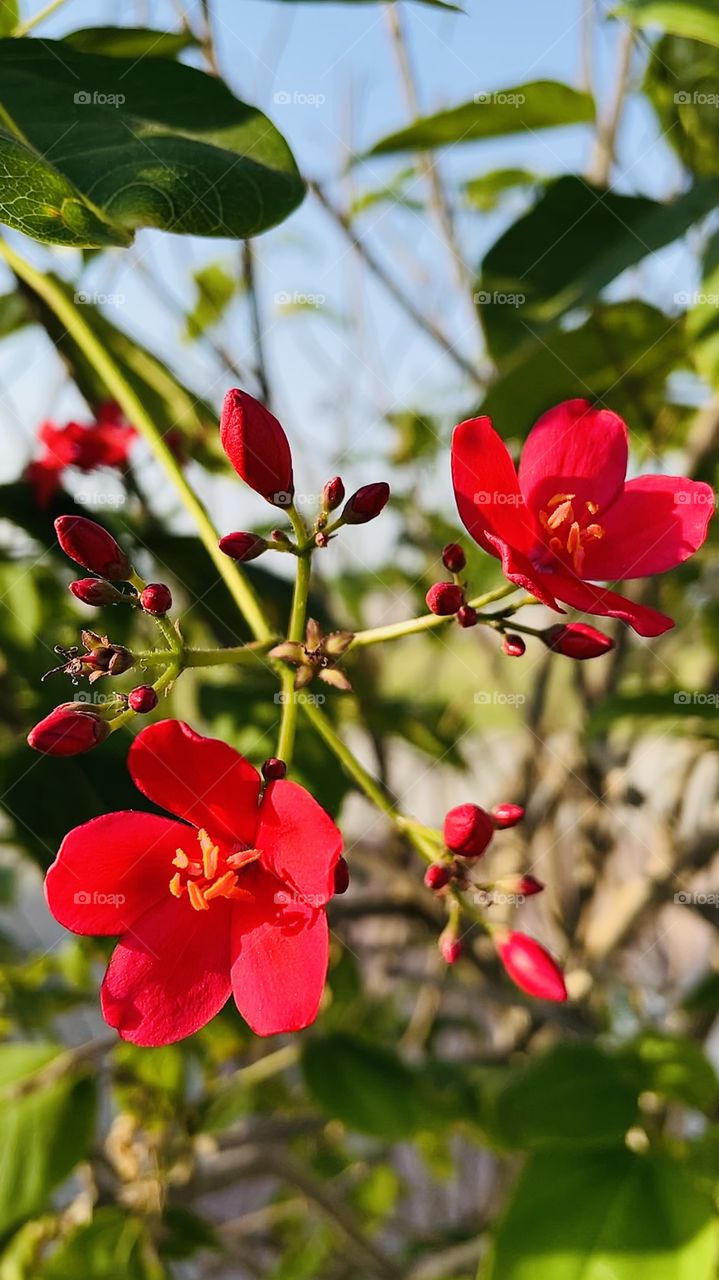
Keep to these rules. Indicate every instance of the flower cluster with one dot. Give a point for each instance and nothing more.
(105, 442)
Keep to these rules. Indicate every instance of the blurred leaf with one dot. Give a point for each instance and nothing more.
(697, 19)
(131, 42)
(704, 997)
(14, 314)
(682, 83)
(184, 1232)
(418, 435)
(588, 1216)
(652, 704)
(45, 1128)
(215, 291)
(673, 1066)
(485, 193)
(392, 192)
(365, 1086)
(621, 355)
(148, 143)
(574, 1095)
(542, 104)
(9, 16)
(568, 247)
(703, 318)
(114, 1245)
(378, 1193)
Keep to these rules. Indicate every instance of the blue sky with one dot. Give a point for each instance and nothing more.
(337, 374)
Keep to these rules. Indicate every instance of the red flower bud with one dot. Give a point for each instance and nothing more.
(366, 503)
(333, 494)
(342, 876)
(95, 591)
(437, 875)
(453, 557)
(468, 830)
(513, 646)
(577, 640)
(156, 598)
(444, 598)
(450, 947)
(93, 547)
(257, 447)
(507, 815)
(273, 769)
(243, 546)
(70, 729)
(530, 966)
(467, 616)
(143, 699)
(528, 886)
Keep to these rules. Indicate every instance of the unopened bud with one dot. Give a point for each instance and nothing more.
(530, 966)
(450, 946)
(257, 447)
(88, 544)
(68, 731)
(444, 599)
(467, 616)
(437, 875)
(468, 830)
(522, 886)
(577, 640)
(513, 646)
(274, 769)
(142, 699)
(333, 494)
(453, 557)
(366, 503)
(506, 815)
(156, 598)
(97, 592)
(243, 546)
(342, 876)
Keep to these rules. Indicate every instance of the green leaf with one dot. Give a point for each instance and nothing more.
(569, 247)
(574, 1095)
(622, 355)
(697, 19)
(542, 104)
(9, 16)
(14, 314)
(486, 192)
(365, 1086)
(682, 83)
(673, 1066)
(114, 1244)
(703, 318)
(45, 1128)
(605, 1216)
(147, 143)
(215, 291)
(131, 42)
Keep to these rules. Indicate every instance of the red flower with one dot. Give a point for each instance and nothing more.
(568, 519)
(530, 966)
(257, 447)
(227, 898)
(104, 443)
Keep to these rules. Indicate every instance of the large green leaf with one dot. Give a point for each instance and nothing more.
(541, 104)
(115, 1244)
(94, 147)
(45, 1128)
(605, 1216)
(622, 355)
(568, 247)
(682, 82)
(674, 1067)
(697, 19)
(572, 1096)
(366, 1086)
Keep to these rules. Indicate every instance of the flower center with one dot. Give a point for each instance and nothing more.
(570, 525)
(211, 875)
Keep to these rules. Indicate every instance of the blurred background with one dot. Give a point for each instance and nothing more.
(506, 206)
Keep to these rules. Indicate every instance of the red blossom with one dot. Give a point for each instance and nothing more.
(257, 447)
(106, 442)
(569, 519)
(227, 898)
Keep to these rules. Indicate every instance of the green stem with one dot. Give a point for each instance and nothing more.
(241, 655)
(296, 631)
(130, 402)
(168, 676)
(428, 622)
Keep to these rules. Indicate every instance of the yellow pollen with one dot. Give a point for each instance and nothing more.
(181, 859)
(177, 888)
(592, 507)
(243, 858)
(221, 888)
(560, 497)
(595, 531)
(561, 513)
(568, 537)
(196, 895)
(213, 877)
(210, 855)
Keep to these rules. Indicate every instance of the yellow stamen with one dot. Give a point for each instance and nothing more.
(592, 507)
(560, 514)
(560, 497)
(221, 888)
(595, 531)
(243, 858)
(196, 896)
(180, 859)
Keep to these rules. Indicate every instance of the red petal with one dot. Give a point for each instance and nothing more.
(110, 870)
(280, 951)
(486, 488)
(170, 974)
(608, 604)
(574, 448)
(656, 524)
(300, 843)
(200, 779)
